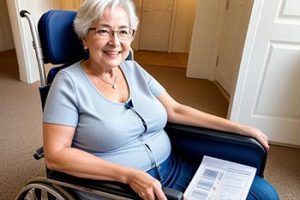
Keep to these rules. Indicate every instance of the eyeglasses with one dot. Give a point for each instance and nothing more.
(106, 33)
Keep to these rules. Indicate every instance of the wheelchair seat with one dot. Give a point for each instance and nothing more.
(60, 46)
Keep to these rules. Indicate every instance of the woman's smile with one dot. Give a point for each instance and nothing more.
(111, 53)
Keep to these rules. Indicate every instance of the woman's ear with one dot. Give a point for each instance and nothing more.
(133, 35)
(83, 40)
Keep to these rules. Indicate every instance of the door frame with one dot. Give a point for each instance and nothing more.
(220, 76)
(235, 103)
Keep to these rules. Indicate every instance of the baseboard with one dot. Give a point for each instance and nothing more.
(6, 47)
(284, 144)
(223, 91)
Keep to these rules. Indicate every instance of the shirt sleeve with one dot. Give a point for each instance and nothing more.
(60, 107)
(155, 87)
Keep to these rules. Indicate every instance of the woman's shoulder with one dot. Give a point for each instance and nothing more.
(69, 73)
(132, 66)
(72, 70)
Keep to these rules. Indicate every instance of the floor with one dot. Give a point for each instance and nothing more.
(162, 58)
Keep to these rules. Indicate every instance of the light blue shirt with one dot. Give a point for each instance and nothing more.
(108, 129)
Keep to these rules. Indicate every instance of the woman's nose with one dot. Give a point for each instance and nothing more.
(114, 39)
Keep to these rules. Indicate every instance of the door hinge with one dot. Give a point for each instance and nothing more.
(227, 5)
(217, 61)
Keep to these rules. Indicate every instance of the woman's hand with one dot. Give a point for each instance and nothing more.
(256, 133)
(147, 187)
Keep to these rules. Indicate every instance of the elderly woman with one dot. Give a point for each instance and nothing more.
(104, 117)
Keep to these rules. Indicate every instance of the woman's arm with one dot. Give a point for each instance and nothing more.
(182, 114)
(60, 156)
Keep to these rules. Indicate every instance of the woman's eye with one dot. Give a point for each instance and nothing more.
(123, 32)
(102, 31)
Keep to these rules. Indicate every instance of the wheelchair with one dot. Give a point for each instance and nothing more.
(55, 42)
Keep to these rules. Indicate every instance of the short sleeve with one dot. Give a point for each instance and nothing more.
(60, 107)
(155, 87)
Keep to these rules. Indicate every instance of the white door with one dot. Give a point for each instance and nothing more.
(268, 89)
(156, 24)
(233, 36)
(22, 37)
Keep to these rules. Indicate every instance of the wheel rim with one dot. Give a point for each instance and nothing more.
(39, 191)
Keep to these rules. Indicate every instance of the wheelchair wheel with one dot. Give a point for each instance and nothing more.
(38, 190)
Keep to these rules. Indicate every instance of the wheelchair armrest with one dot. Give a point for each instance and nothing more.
(193, 143)
(110, 187)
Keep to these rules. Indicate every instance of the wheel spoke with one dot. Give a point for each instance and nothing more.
(33, 194)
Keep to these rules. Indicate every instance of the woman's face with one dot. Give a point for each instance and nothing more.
(112, 51)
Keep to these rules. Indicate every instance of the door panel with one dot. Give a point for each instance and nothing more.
(233, 37)
(268, 92)
(156, 23)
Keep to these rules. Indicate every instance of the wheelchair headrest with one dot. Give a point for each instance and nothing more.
(58, 39)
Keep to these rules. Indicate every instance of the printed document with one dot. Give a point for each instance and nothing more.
(218, 179)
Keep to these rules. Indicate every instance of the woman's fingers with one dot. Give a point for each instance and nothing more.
(258, 134)
(159, 194)
(147, 187)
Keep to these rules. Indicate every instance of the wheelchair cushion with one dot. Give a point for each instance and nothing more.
(58, 39)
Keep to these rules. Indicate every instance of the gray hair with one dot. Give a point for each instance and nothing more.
(92, 10)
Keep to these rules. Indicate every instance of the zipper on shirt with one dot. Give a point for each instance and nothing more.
(150, 155)
(142, 120)
(129, 105)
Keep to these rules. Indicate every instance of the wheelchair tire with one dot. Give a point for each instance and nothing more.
(38, 190)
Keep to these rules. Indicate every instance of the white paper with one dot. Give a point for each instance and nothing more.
(218, 179)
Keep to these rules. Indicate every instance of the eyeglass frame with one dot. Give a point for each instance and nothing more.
(112, 33)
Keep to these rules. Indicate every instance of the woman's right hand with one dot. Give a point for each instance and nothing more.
(147, 187)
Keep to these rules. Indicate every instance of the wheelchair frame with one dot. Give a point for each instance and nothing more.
(194, 142)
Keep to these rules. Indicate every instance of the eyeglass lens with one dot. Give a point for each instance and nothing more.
(106, 33)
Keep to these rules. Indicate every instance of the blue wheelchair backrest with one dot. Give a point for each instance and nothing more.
(58, 39)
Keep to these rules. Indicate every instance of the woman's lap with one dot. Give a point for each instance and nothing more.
(261, 189)
(176, 173)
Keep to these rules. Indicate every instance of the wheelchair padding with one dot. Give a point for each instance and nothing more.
(58, 39)
(193, 143)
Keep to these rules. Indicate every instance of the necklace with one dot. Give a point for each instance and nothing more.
(113, 85)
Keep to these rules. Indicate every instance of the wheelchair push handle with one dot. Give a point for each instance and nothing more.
(36, 45)
(23, 13)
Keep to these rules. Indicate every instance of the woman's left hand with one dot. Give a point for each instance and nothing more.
(256, 133)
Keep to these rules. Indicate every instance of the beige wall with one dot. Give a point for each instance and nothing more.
(66, 4)
(6, 38)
